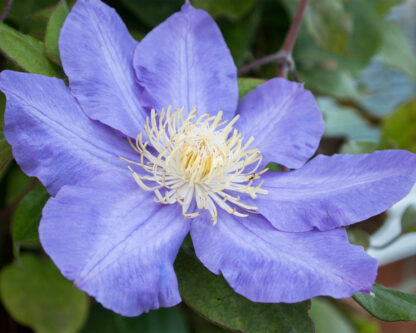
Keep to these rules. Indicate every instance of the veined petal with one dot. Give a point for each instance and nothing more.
(338, 190)
(185, 62)
(115, 243)
(51, 137)
(97, 53)
(267, 265)
(285, 121)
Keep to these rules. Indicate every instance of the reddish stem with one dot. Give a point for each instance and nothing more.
(291, 36)
(279, 56)
(6, 10)
(284, 56)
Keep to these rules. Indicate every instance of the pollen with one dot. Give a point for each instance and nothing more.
(200, 163)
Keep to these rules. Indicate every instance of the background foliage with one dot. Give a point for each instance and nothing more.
(358, 58)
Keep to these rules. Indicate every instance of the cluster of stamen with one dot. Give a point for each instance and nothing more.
(199, 163)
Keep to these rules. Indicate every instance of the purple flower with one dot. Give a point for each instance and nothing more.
(123, 204)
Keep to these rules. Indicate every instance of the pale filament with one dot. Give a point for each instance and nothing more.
(197, 162)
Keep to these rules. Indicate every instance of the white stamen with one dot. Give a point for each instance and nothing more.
(197, 159)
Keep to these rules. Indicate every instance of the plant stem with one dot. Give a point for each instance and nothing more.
(291, 37)
(279, 56)
(6, 10)
(284, 56)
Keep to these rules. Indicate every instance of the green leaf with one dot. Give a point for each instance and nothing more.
(388, 304)
(365, 324)
(383, 6)
(232, 9)
(153, 12)
(358, 237)
(359, 147)
(26, 51)
(332, 70)
(341, 59)
(5, 152)
(245, 85)
(274, 167)
(5, 149)
(22, 10)
(30, 16)
(365, 38)
(327, 78)
(27, 216)
(17, 184)
(211, 296)
(396, 50)
(400, 127)
(239, 37)
(327, 318)
(2, 109)
(321, 71)
(346, 122)
(36, 295)
(408, 222)
(166, 320)
(327, 22)
(55, 23)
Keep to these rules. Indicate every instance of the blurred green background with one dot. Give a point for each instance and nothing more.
(356, 56)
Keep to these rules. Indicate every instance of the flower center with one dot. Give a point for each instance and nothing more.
(203, 151)
(199, 163)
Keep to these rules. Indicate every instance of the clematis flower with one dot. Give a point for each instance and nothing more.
(149, 143)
